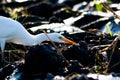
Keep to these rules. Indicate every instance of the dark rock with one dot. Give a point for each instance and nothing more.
(78, 52)
(41, 9)
(17, 4)
(54, 19)
(6, 71)
(4, 13)
(41, 60)
(114, 61)
(30, 21)
(32, 18)
(75, 66)
(86, 19)
(64, 13)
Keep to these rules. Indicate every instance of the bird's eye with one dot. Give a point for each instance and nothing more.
(60, 37)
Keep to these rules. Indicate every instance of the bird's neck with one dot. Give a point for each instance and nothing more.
(30, 40)
(40, 38)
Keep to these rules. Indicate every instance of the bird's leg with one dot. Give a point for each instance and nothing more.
(2, 51)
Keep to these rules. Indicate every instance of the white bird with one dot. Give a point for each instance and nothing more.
(13, 31)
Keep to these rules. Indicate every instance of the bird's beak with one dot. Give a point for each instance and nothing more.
(68, 41)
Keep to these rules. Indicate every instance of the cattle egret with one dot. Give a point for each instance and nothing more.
(13, 31)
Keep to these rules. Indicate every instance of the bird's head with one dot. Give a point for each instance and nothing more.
(56, 37)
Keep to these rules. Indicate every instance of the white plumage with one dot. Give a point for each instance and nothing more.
(13, 31)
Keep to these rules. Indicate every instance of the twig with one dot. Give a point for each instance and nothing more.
(96, 21)
(58, 51)
(113, 46)
(105, 5)
(118, 63)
